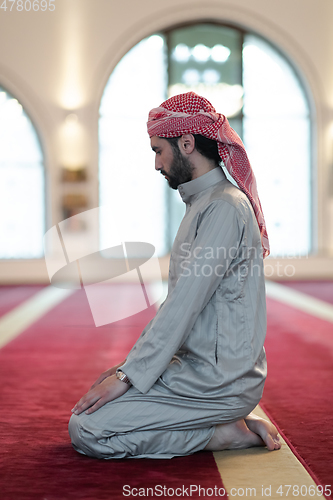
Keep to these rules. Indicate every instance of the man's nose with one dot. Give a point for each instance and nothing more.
(158, 165)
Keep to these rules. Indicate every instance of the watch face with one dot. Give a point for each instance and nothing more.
(123, 377)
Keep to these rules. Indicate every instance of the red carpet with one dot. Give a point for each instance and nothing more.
(298, 394)
(44, 372)
(11, 296)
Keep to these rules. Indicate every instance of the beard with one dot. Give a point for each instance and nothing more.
(181, 169)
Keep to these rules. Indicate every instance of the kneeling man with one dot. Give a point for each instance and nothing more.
(198, 369)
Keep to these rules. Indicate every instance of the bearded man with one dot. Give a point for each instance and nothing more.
(198, 369)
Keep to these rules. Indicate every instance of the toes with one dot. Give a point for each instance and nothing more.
(272, 442)
(277, 444)
(276, 441)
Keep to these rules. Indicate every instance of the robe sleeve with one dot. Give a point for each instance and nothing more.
(147, 327)
(221, 227)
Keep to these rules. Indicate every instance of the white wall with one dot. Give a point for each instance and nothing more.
(57, 62)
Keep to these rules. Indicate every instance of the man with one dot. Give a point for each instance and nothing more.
(198, 369)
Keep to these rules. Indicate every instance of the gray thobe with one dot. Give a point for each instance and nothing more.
(200, 362)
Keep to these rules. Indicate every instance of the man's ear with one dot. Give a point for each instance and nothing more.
(186, 143)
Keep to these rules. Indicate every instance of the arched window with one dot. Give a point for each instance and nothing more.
(22, 224)
(246, 79)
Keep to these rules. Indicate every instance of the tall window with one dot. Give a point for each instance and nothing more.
(128, 183)
(21, 183)
(246, 79)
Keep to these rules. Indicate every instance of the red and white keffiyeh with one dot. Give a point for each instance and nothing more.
(192, 114)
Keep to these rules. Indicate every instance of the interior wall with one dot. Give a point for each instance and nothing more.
(56, 63)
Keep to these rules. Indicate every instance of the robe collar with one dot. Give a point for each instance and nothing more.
(188, 189)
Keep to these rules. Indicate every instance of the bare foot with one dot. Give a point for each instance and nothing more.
(265, 429)
(253, 431)
(233, 436)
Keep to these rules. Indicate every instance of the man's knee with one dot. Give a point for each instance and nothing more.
(74, 432)
(83, 440)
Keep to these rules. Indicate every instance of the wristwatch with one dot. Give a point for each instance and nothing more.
(123, 377)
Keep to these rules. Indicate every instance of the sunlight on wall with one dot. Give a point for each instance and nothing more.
(72, 95)
(72, 139)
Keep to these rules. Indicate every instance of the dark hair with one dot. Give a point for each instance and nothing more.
(206, 147)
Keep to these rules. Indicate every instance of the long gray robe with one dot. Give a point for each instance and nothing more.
(200, 362)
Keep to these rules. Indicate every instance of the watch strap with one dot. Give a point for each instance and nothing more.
(123, 377)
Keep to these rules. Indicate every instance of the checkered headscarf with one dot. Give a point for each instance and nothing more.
(191, 114)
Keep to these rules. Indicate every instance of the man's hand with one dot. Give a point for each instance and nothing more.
(107, 373)
(108, 390)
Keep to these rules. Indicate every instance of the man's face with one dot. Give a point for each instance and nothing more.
(175, 167)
